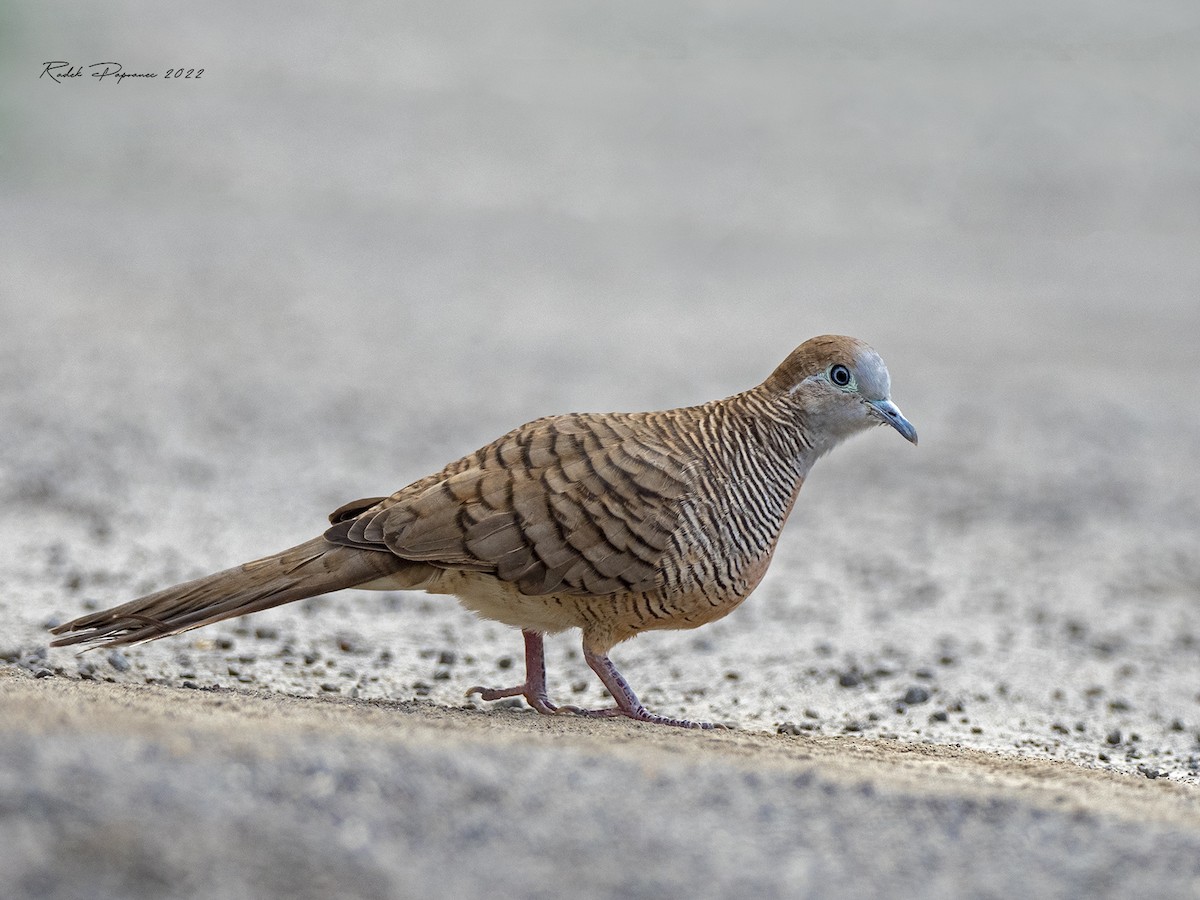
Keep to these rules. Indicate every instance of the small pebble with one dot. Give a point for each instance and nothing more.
(117, 660)
(915, 695)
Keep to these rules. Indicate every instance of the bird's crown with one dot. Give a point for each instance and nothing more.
(824, 355)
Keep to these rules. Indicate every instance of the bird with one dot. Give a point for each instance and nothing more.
(613, 523)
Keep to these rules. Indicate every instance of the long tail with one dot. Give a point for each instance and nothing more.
(315, 567)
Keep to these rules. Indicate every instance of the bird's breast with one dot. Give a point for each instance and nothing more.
(726, 536)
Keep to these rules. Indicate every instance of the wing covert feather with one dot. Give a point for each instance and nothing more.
(572, 504)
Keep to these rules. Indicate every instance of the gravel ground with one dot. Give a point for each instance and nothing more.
(364, 244)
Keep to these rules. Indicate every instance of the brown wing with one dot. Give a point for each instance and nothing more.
(571, 504)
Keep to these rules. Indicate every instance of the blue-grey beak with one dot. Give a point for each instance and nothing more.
(890, 413)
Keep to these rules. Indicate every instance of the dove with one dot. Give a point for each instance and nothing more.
(614, 524)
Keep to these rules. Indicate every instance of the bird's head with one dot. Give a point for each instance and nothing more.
(838, 386)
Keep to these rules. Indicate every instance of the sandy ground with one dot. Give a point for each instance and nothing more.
(364, 244)
(269, 795)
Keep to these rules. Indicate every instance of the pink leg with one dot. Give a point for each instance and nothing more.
(534, 688)
(627, 701)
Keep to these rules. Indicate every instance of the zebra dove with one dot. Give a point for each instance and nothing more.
(614, 524)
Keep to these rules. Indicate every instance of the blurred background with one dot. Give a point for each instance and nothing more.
(368, 240)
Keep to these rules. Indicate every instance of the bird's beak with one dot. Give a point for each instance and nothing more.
(890, 413)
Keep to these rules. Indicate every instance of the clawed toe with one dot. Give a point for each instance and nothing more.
(680, 723)
(534, 688)
(496, 693)
(530, 694)
(638, 714)
(644, 716)
(592, 713)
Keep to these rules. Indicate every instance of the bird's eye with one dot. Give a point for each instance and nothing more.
(839, 375)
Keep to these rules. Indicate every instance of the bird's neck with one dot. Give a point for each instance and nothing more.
(776, 431)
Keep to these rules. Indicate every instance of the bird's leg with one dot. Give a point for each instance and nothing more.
(627, 701)
(534, 688)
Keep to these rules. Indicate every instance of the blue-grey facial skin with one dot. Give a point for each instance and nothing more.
(874, 385)
(870, 376)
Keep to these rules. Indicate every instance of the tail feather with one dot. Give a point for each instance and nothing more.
(312, 568)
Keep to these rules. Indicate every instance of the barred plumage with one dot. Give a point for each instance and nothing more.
(615, 524)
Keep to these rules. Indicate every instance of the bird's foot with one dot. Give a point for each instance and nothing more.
(537, 699)
(627, 702)
(534, 688)
(638, 713)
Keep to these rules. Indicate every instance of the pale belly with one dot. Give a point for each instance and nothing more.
(500, 601)
(609, 618)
